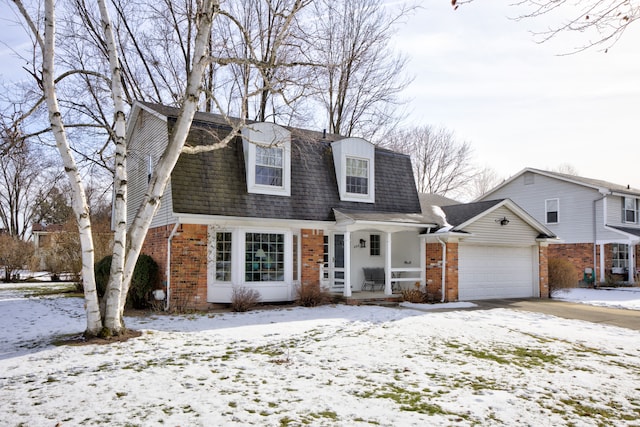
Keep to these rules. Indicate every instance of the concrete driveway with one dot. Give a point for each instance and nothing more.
(610, 316)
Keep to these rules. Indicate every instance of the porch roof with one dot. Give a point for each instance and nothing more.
(387, 221)
(627, 230)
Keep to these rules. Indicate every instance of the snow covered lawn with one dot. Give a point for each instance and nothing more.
(334, 365)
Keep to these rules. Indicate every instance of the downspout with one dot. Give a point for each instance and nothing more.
(168, 272)
(444, 268)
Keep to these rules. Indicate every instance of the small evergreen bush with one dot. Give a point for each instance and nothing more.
(143, 281)
(562, 274)
(244, 299)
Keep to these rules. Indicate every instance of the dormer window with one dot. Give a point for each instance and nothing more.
(353, 159)
(267, 155)
(357, 176)
(269, 161)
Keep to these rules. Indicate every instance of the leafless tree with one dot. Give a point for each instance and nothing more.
(566, 168)
(27, 177)
(603, 21)
(441, 163)
(483, 180)
(360, 76)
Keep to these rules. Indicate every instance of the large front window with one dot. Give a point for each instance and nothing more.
(357, 176)
(269, 166)
(264, 257)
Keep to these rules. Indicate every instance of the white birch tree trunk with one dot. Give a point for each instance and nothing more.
(79, 199)
(162, 172)
(114, 295)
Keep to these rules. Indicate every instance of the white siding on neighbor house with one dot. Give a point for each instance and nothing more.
(575, 223)
(488, 231)
(148, 138)
(613, 206)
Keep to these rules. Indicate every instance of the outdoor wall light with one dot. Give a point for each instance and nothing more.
(363, 243)
(503, 221)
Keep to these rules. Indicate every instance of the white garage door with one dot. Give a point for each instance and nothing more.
(486, 272)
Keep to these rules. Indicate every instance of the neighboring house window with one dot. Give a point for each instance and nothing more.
(620, 255)
(269, 163)
(264, 257)
(552, 208)
(630, 210)
(374, 245)
(357, 176)
(223, 257)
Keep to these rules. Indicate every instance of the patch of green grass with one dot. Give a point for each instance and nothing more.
(409, 400)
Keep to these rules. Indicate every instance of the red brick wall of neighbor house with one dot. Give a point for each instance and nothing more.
(312, 242)
(434, 271)
(579, 254)
(543, 270)
(189, 268)
(451, 279)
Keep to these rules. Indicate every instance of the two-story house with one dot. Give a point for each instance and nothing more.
(597, 222)
(279, 207)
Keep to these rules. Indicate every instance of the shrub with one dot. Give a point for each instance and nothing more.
(15, 254)
(312, 295)
(414, 295)
(244, 299)
(143, 281)
(562, 274)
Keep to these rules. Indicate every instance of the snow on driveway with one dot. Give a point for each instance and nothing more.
(328, 366)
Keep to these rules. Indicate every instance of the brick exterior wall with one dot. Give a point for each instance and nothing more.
(188, 264)
(433, 254)
(579, 254)
(543, 270)
(451, 274)
(312, 253)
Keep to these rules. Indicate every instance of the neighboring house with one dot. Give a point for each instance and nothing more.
(494, 249)
(597, 222)
(43, 238)
(280, 207)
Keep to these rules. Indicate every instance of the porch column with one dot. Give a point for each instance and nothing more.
(347, 264)
(423, 262)
(387, 266)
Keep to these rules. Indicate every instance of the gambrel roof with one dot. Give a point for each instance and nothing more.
(214, 182)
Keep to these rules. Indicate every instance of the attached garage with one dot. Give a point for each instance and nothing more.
(486, 272)
(487, 250)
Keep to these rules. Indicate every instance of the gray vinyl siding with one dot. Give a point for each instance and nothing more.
(149, 137)
(488, 231)
(575, 217)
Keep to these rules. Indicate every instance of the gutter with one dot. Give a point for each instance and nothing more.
(444, 267)
(595, 236)
(168, 272)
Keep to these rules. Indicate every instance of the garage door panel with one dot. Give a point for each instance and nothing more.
(486, 272)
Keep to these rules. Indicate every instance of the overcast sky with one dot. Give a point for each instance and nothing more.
(518, 103)
(521, 103)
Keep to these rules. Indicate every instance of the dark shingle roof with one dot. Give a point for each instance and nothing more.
(591, 182)
(459, 214)
(214, 183)
(628, 230)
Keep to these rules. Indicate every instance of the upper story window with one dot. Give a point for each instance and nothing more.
(357, 176)
(353, 159)
(552, 211)
(630, 210)
(269, 163)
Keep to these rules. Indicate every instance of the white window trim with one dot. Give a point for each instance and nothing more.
(358, 197)
(267, 135)
(625, 210)
(546, 210)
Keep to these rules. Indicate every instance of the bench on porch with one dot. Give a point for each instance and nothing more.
(373, 278)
